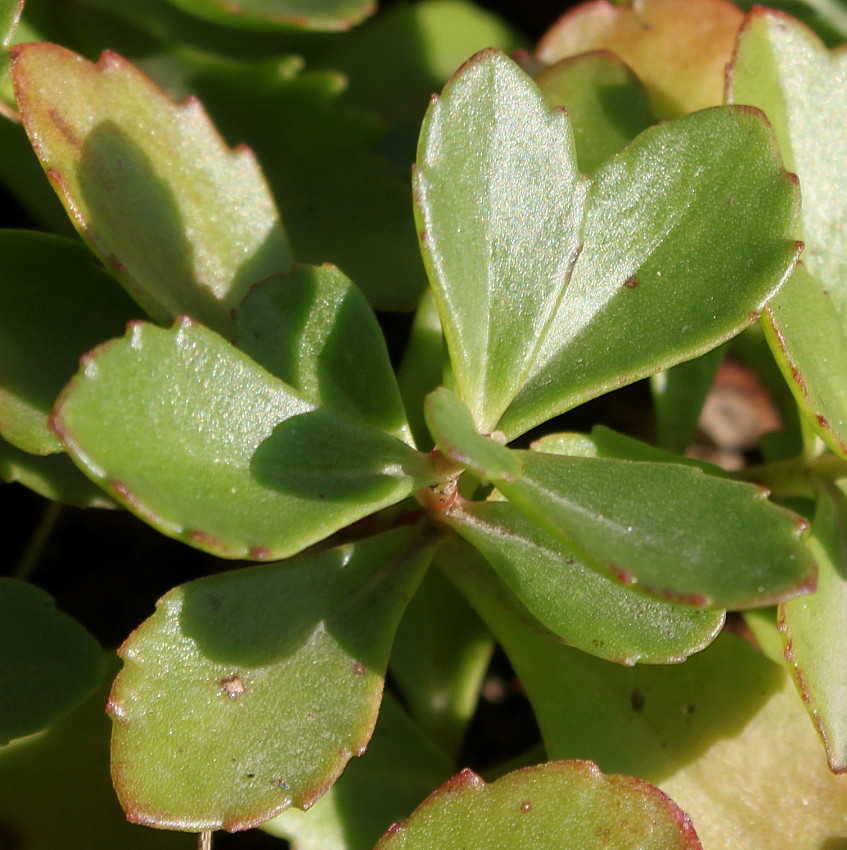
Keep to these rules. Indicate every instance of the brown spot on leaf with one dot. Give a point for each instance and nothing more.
(70, 135)
(233, 686)
(631, 282)
(526, 806)
(260, 553)
(359, 669)
(822, 420)
(636, 699)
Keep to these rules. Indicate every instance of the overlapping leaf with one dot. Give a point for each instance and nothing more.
(578, 604)
(782, 67)
(724, 734)
(184, 222)
(553, 805)
(314, 330)
(679, 50)
(607, 104)
(196, 438)
(249, 691)
(815, 627)
(285, 14)
(55, 304)
(668, 528)
(400, 768)
(681, 240)
(48, 662)
(499, 207)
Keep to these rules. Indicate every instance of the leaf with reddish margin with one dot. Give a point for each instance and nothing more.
(52, 476)
(323, 15)
(724, 733)
(552, 805)
(782, 67)
(579, 605)
(679, 50)
(249, 691)
(669, 528)
(185, 223)
(815, 627)
(202, 443)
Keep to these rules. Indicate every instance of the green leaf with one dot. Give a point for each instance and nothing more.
(607, 104)
(678, 398)
(815, 628)
(455, 434)
(439, 660)
(329, 15)
(313, 329)
(52, 476)
(782, 67)
(680, 51)
(185, 223)
(203, 444)
(724, 734)
(48, 662)
(668, 528)
(499, 205)
(553, 805)
(65, 771)
(342, 200)
(579, 605)
(10, 14)
(604, 442)
(422, 367)
(248, 692)
(688, 234)
(399, 769)
(809, 342)
(55, 304)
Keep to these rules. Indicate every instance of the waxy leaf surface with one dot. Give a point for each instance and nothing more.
(314, 329)
(688, 233)
(455, 434)
(56, 303)
(679, 50)
(48, 662)
(783, 68)
(52, 476)
(208, 447)
(669, 528)
(282, 14)
(185, 223)
(724, 734)
(815, 628)
(809, 340)
(400, 768)
(553, 805)
(578, 604)
(499, 203)
(248, 692)
(607, 104)
(10, 13)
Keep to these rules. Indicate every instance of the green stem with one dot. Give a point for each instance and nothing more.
(38, 541)
(795, 477)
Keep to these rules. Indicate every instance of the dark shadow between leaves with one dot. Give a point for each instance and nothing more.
(323, 456)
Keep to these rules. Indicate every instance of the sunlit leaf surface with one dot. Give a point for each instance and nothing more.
(208, 447)
(248, 692)
(553, 805)
(185, 223)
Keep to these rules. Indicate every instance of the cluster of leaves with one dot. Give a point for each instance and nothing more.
(410, 518)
